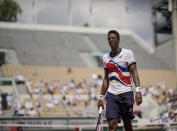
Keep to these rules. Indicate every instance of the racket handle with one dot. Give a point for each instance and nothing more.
(100, 109)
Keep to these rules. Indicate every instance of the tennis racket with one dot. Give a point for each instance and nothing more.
(99, 122)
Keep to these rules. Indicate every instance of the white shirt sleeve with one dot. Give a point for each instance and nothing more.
(131, 58)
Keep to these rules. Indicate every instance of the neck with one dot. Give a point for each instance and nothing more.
(115, 51)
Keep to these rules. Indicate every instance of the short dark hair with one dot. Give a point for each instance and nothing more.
(114, 32)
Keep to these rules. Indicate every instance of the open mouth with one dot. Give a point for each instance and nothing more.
(112, 44)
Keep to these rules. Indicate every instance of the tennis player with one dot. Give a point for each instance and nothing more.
(117, 88)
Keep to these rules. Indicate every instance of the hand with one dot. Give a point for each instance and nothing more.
(100, 103)
(138, 98)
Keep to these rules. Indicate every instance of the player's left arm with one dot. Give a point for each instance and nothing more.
(134, 75)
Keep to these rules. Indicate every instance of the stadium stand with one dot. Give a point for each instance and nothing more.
(46, 71)
(51, 48)
(49, 73)
(58, 81)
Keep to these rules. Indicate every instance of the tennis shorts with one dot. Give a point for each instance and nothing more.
(120, 106)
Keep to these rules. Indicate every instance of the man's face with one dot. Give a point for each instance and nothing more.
(113, 41)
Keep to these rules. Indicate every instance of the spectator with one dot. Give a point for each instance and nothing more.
(66, 100)
(20, 79)
(146, 91)
(50, 89)
(31, 112)
(71, 84)
(36, 90)
(21, 111)
(9, 99)
(50, 104)
(99, 81)
(28, 104)
(69, 70)
(55, 100)
(17, 106)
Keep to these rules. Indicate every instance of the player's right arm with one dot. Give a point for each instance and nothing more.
(104, 89)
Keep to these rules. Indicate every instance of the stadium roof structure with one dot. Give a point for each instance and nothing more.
(70, 46)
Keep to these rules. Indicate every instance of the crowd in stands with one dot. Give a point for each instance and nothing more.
(166, 97)
(67, 96)
(6, 102)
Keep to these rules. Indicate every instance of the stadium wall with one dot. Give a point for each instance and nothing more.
(166, 54)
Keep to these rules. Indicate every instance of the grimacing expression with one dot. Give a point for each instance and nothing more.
(113, 40)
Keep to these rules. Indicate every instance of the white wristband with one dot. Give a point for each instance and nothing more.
(138, 89)
(101, 97)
